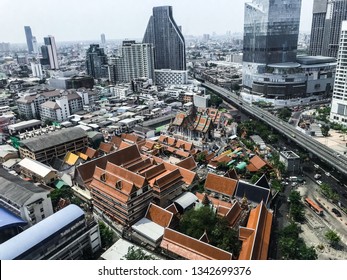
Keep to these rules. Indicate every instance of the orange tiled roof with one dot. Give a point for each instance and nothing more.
(190, 248)
(179, 119)
(91, 153)
(215, 202)
(256, 163)
(159, 215)
(220, 184)
(188, 163)
(256, 237)
(106, 147)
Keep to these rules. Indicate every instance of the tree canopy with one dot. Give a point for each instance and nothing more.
(292, 247)
(137, 254)
(196, 222)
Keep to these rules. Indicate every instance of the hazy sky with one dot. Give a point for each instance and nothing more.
(73, 20)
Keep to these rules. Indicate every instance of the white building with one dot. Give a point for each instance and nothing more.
(36, 68)
(339, 102)
(171, 77)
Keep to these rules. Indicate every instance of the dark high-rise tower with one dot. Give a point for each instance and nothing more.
(326, 26)
(29, 38)
(49, 53)
(271, 31)
(96, 62)
(167, 39)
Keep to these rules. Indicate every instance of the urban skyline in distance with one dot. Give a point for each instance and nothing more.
(85, 20)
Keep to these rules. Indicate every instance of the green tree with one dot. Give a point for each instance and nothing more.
(292, 247)
(325, 130)
(326, 190)
(215, 100)
(201, 158)
(284, 114)
(255, 178)
(137, 254)
(196, 222)
(106, 235)
(57, 194)
(276, 185)
(296, 207)
(332, 237)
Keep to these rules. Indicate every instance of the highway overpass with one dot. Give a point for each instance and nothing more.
(326, 154)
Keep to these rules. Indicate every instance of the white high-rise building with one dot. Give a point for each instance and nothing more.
(36, 68)
(52, 52)
(136, 61)
(339, 102)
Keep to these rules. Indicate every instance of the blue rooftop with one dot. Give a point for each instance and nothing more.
(27, 239)
(8, 219)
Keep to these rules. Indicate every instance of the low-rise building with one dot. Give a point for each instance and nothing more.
(24, 199)
(37, 171)
(56, 144)
(291, 161)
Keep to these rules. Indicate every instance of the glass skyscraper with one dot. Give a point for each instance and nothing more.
(29, 38)
(271, 30)
(326, 26)
(167, 39)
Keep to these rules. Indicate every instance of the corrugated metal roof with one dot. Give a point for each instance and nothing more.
(31, 237)
(53, 139)
(186, 199)
(7, 219)
(36, 167)
(16, 189)
(149, 229)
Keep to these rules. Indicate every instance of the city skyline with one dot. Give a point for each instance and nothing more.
(116, 18)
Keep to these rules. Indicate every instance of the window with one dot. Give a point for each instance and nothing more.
(41, 210)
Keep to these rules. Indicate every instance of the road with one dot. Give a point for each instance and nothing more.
(326, 154)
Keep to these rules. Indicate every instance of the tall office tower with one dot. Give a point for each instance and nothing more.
(96, 62)
(35, 48)
(136, 61)
(271, 30)
(339, 102)
(326, 26)
(50, 50)
(29, 38)
(103, 39)
(167, 39)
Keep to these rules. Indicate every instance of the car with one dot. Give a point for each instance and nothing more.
(336, 212)
(327, 174)
(319, 182)
(316, 166)
(317, 176)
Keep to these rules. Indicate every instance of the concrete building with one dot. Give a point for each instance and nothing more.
(49, 53)
(65, 235)
(24, 199)
(36, 68)
(291, 161)
(271, 31)
(29, 38)
(96, 62)
(326, 26)
(23, 126)
(171, 77)
(167, 39)
(136, 61)
(56, 144)
(37, 171)
(74, 82)
(338, 112)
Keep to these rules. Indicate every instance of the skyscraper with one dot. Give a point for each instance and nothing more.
(271, 30)
(49, 51)
(326, 26)
(29, 38)
(167, 39)
(136, 61)
(96, 62)
(339, 102)
(103, 39)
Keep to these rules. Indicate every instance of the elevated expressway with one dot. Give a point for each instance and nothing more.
(326, 154)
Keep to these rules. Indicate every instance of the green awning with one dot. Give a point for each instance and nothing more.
(59, 184)
(241, 165)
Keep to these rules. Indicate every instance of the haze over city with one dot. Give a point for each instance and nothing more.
(73, 20)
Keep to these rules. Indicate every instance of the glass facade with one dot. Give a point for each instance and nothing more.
(271, 31)
(163, 32)
(96, 62)
(29, 38)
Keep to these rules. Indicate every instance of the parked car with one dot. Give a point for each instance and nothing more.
(327, 174)
(336, 212)
(319, 182)
(317, 176)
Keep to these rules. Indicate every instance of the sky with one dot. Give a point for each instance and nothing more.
(79, 20)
